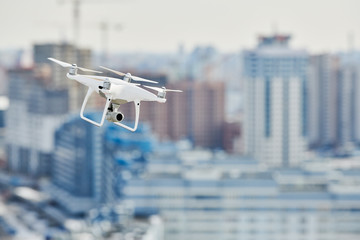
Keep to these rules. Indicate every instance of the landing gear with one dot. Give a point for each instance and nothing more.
(111, 109)
(137, 113)
(108, 103)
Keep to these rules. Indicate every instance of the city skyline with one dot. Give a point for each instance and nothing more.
(63, 178)
(160, 26)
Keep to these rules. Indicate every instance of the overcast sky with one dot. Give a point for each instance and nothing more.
(161, 25)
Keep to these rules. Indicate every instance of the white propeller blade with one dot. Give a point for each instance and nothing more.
(172, 90)
(114, 71)
(88, 70)
(67, 65)
(162, 89)
(63, 64)
(142, 79)
(135, 78)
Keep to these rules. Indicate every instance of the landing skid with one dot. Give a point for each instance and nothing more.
(106, 109)
(137, 111)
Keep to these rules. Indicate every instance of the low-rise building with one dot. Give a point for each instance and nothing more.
(204, 196)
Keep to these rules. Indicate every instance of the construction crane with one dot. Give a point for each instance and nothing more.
(104, 32)
(76, 21)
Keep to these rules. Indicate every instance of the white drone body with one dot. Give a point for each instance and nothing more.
(116, 91)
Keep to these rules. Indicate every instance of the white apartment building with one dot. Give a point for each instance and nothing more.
(275, 117)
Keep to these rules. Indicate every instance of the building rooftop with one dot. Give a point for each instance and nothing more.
(274, 40)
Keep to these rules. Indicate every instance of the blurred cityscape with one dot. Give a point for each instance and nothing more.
(263, 143)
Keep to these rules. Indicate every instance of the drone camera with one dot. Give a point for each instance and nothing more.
(114, 116)
(119, 117)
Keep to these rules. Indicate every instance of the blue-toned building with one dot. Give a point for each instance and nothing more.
(4, 104)
(335, 102)
(275, 124)
(348, 100)
(89, 162)
(323, 101)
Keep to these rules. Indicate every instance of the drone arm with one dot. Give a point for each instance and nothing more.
(137, 113)
(88, 94)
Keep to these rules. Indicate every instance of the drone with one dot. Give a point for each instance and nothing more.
(116, 91)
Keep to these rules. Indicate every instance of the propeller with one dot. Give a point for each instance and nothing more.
(163, 89)
(135, 78)
(68, 65)
(114, 71)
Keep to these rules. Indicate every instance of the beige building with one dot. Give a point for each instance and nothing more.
(197, 113)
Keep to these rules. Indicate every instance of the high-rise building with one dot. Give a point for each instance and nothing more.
(275, 101)
(33, 115)
(334, 102)
(348, 116)
(323, 100)
(197, 113)
(4, 104)
(67, 53)
(88, 162)
(199, 110)
(40, 98)
(77, 165)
